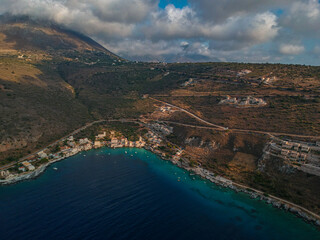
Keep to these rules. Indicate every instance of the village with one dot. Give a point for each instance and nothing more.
(152, 141)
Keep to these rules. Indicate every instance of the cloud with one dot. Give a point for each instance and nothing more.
(220, 10)
(233, 30)
(184, 23)
(290, 49)
(303, 18)
(98, 18)
(316, 50)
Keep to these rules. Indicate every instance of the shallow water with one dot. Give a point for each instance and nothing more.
(119, 196)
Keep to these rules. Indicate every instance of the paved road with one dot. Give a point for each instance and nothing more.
(273, 134)
(191, 114)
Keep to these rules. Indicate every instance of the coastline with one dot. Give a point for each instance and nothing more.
(29, 175)
(276, 202)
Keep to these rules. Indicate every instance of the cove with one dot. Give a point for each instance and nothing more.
(133, 194)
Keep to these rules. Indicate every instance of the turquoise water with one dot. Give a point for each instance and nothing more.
(109, 194)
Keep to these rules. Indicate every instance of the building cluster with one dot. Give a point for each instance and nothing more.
(302, 155)
(247, 101)
(26, 165)
(124, 142)
(177, 156)
(268, 80)
(243, 72)
(154, 139)
(161, 128)
(165, 109)
(5, 174)
(295, 151)
(188, 83)
(71, 148)
(117, 142)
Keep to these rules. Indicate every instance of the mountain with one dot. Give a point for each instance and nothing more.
(27, 34)
(54, 80)
(37, 103)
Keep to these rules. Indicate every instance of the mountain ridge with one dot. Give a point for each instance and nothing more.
(45, 35)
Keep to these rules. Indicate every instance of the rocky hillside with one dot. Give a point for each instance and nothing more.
(27, 34)
(36, 103)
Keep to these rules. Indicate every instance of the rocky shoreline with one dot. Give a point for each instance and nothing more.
(205, 174)
(26, 176)
(29, 175)
(253, 193)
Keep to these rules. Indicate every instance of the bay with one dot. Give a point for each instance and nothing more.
(133, 194)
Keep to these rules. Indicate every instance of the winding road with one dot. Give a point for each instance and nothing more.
(221, 128)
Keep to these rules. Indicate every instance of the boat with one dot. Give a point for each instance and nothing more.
(55, 168)
(125, 152)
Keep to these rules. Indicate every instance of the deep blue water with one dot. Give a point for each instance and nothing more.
(112, 195)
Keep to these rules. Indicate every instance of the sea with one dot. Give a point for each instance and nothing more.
(133, 194)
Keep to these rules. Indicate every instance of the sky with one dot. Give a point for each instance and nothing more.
(274, 31)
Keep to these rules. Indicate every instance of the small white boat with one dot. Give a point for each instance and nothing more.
(135, 152)
(55, 168)
(125, 152)
(131, 155)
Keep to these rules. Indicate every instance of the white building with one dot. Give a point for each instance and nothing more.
(83, 141)
(71, 138)
(97, 144)
(101, 136)
(4, 173)
(42, 154)
(28, 166)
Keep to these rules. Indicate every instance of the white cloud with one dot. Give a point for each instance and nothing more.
(246, 30)
(291, 49)
(184, 23)
(98, 18)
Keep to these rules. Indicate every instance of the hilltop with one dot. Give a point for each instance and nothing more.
(27, 34)
(53, 80)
